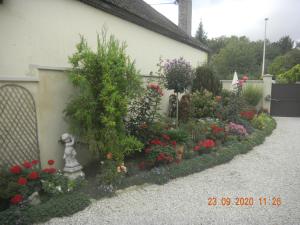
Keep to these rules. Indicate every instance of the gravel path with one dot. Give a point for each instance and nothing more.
(270, 170)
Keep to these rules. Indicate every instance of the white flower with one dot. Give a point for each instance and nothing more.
(58, 188)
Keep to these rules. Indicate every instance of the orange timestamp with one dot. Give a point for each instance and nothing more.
(245, 201)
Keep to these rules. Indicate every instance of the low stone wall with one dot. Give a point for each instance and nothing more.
(51, 90)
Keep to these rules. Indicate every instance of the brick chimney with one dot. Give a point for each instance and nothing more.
(185, 15)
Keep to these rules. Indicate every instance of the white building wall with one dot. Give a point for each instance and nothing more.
(45, 32)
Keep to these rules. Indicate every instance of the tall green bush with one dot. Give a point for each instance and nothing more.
(106, 80)
(206, 80)
(252, 94)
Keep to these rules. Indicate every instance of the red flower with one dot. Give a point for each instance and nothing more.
(16, 169)
(27, 164)
(16, 199)
(155, 142)
(51, 162)
(166, 137)
(197, 148)
(216, 129)
(35, 162)
(22, 181)
(33, 175)
(153, 86)
(49, 170)
(249, 115)
(52, 170)
(173, 143)
(207, 143)
(245, 78)
(241, 82)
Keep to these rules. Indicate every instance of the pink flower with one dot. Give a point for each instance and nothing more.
(197, 148)
(245, 78)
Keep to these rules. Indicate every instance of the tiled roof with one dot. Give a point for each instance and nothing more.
(142, 14)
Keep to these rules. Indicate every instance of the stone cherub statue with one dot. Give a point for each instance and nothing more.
(72, 167)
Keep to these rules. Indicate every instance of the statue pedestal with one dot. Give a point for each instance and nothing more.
(74, 175)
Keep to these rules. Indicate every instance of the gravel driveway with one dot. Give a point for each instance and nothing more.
(270, 170)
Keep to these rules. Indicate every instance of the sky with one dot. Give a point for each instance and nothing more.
(240, 17)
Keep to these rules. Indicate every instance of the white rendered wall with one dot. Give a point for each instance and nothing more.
(45, 32)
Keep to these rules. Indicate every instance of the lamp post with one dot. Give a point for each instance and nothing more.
(264, 51)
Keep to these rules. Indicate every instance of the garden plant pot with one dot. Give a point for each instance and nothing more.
(179, 151)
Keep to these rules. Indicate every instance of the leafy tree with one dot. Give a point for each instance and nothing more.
(201, 34)
(291, 76)
(178, 76)
(285, 62)
(285, 44)
(239, 55)
(106, 80)
(206, 80)
(216, 44)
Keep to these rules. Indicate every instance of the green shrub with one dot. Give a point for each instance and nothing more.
(108, 174)
(206, 80)
(291, 76)
(60, 206)
(261, 121)
(203, 104)
(161, 155)
(106, 80)
(178, 135)
(252, 94)
(229, 108)
(144, 112)
(197, 129)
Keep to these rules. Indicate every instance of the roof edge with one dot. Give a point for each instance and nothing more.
(121, 13)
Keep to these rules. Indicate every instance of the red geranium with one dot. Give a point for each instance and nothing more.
(49, 170)
(16, 169)
(173, 143)
(197, 148)
(166, 137)
(35, 162)
(33, 175)
(249, 115)
(155, 142)
(27, 164)
(16, 199)
(207, 143)
(22, 181)
(51, 162)
(216, 129)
